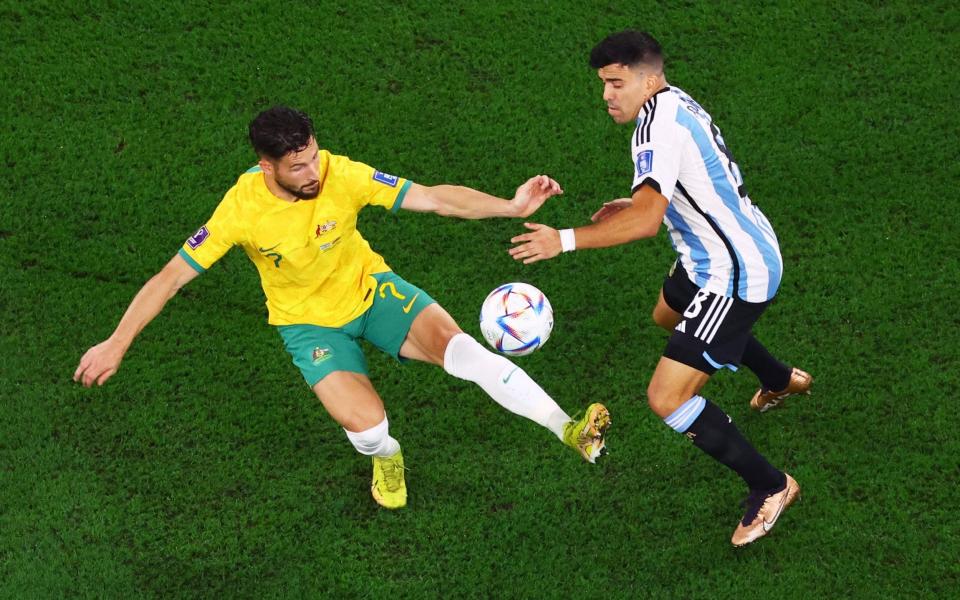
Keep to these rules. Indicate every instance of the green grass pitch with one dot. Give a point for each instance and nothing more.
(206, 469)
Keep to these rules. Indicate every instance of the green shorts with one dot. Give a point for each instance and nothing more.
(318, 351)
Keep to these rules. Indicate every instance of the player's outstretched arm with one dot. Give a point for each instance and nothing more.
(100, 362)
(468, 203)
(618, 222)
(611, 208)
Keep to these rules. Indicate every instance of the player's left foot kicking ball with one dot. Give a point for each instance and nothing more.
(587, 435)
(388, 488)
(763, 510)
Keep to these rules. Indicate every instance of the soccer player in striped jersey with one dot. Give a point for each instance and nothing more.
(727, 271)
(295, 216)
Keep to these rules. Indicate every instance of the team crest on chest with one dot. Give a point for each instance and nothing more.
(325, 227)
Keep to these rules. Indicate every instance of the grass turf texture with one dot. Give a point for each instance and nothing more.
(206, 468)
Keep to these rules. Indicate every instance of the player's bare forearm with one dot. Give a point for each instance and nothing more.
(543, 242)
(468, 203)
(100, 362)
(624, 221)
(144, 307)
(619, 222)
(627, 225)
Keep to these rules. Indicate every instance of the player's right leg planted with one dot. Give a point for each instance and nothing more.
(388, 486)
(763, 510)
(513, 389)
(713, 431)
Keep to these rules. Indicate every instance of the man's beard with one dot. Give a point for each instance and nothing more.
(300, 192)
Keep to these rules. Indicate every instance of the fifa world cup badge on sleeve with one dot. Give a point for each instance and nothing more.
(644, 162)
(382, 177)
(198, 238)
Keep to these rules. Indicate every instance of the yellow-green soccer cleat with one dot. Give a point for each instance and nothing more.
(587, 435)
(388, 488)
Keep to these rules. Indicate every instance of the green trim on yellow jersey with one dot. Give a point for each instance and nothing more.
(254, 169)
(400, 196)
(196, 266)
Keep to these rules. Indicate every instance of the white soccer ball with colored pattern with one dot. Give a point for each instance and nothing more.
(516, 319)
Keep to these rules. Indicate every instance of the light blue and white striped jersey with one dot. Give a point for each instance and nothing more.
(725, 244)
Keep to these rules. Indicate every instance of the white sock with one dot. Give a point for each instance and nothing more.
(375, 441)
(506, 383)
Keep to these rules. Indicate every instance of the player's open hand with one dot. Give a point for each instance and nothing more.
(531, 195)
(99, 364)
(611, 208)
(540, 243)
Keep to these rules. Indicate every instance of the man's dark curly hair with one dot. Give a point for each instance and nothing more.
(280, 130)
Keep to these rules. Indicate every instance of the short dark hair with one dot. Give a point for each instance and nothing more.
(629, 48)
(280, 130)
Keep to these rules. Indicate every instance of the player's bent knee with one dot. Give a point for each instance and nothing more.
(661, 401)
(468, 359)
(655, 403)
(459, 350)
(445, 336)
(432, 333)
(439, 341)
(370, 441)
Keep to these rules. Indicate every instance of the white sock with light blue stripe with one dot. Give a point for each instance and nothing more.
(681, 419)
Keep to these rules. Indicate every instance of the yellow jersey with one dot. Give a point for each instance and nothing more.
(315, 267)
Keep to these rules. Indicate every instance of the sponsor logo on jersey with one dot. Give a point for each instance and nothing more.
(406, 309)
(644, 162)
(384, 178)
(198, 238)
(329, 245)
(328, 226)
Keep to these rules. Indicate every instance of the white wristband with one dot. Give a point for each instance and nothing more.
(568, 241)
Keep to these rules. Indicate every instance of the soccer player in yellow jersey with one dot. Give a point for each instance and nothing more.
(295, 216)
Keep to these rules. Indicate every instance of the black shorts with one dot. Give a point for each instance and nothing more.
(713, 329)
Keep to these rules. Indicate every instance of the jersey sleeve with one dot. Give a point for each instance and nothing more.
(656, 152)
(214, 238)
(371, 186)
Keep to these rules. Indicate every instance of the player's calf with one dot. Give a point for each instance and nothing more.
(507, 384)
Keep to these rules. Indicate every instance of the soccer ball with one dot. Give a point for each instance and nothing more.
(516, 319)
